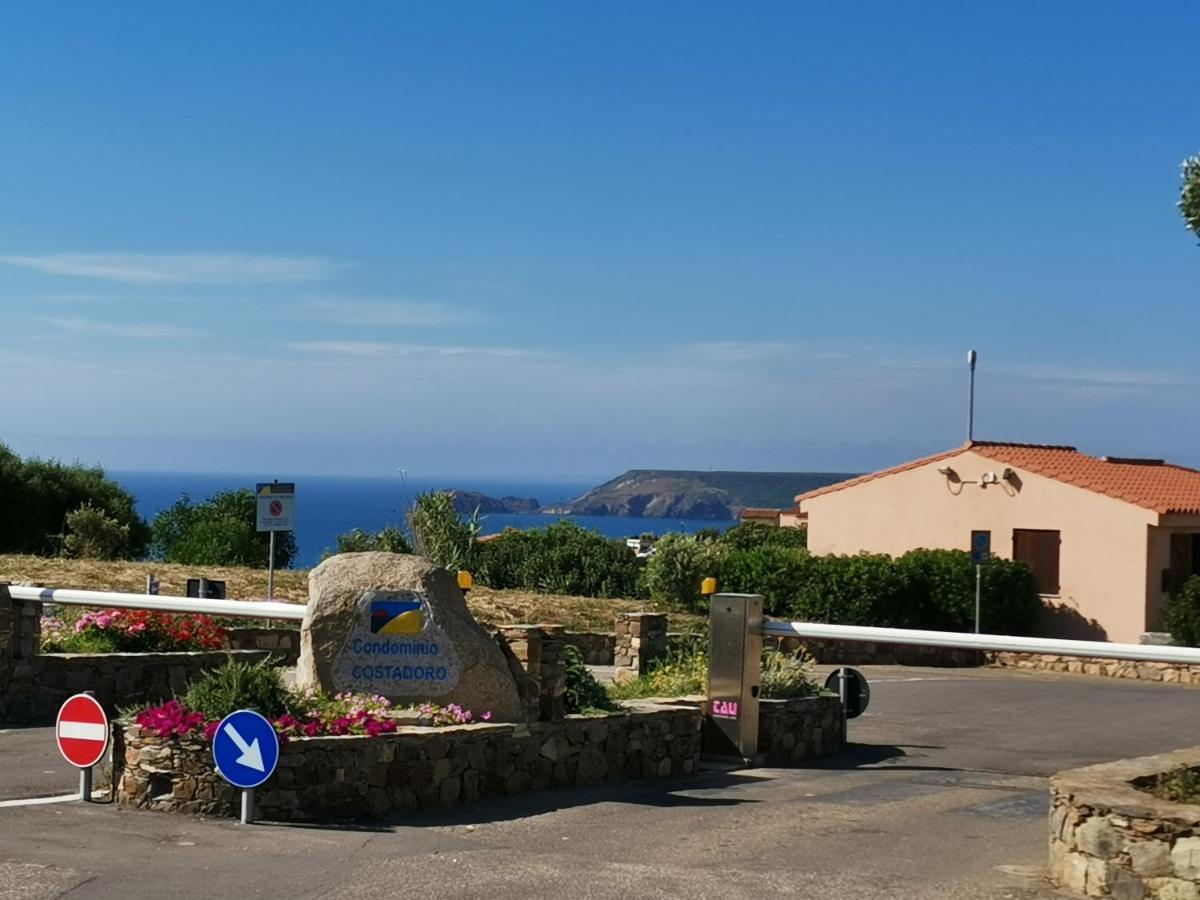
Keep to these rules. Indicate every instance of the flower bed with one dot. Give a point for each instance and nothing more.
(1112, 835)
(312, 715)
(130, 631)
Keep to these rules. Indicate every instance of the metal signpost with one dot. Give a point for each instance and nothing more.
(981, 552)
(851, 686)
(246, 751)
(82, 733)
(276, 512)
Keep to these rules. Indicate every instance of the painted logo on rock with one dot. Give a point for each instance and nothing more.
(396, 649)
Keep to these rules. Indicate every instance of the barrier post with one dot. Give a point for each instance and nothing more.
(734, 670)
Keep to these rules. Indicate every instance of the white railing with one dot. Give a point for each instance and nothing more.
(241, 609)
(1003, 642)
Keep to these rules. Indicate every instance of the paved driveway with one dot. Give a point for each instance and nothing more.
(942, 794)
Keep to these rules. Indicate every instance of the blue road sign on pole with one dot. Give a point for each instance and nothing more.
(981, 547)
(245, 749)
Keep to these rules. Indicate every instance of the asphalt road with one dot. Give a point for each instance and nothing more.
(941, 794)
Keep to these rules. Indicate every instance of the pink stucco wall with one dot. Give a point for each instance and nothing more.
(1104, 566)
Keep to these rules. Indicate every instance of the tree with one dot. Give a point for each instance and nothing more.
(1189, 193)
(36, 495)
(221, 531)
(94, 534)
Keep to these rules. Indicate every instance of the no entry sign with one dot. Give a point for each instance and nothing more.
(82, 731)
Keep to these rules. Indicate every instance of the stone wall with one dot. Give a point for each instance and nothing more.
(791, 731)
(538, 648)
(598, 648)
(641, 640)
(415, 768)
(1109, 839)
(282, 643)
(117, 679)
(870, 653)
(1167, 673)
(33, 685)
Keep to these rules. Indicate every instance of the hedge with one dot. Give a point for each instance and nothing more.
(932, 589)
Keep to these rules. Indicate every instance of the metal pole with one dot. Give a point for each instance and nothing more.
(978, 592)
(85, 785)
(842, 695)
(271, 568)
(971, 356)
(247, 806)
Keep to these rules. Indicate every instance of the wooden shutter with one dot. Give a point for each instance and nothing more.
(1038, 549)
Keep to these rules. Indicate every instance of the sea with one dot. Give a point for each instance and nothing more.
(327, 506)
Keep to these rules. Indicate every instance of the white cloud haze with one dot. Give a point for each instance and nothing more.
(179, 268)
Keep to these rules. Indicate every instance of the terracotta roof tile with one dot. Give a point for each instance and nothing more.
(751, 512)
(1149, 483)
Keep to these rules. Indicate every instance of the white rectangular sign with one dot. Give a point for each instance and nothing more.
(276, 506)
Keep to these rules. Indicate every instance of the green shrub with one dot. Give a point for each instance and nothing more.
(942, 589)
(238, 685)
(682, 673)
(780, 574)
(388, 540)
(93, 534)
(562, 558)
(37, 495)
(442, 536)
(685, 672)
(748, 535)
(221, 531)
(786, 675)
(673, 574)
(1181, 616)
(584, 693)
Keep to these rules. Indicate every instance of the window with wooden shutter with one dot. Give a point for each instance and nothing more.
(1038, 549)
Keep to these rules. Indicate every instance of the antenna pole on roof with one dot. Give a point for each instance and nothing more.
(971, 357)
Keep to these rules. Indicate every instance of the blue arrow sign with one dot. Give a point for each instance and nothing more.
(245, 748)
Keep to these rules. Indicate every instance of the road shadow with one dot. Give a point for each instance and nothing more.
(661, 794)
(876, 756)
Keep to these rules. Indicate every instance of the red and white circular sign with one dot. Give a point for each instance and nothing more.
(276, 508)
(82, 731)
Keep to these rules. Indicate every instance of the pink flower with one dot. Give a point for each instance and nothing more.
(487, 716)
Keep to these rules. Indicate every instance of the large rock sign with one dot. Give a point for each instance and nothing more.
(381, 623)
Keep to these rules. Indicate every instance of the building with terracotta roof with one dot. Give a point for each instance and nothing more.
(756, 514)
(1108, 538)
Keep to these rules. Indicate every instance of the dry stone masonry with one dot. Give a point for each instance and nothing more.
(1167, 673)
(33, 685)
(1110, 839)
(415, 768)
(641, 641)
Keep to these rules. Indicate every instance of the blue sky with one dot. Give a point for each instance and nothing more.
(568, 239)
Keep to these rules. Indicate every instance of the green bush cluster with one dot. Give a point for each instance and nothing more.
(562, 558)
(922, 589)
(37, 496)
(1181, 616)
(441, 535)
(685, 672)
(584, 693)
(221, 531)
(387, 540)
(238, 685)
(94, 534)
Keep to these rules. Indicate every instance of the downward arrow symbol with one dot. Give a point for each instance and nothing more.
(251, 756)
